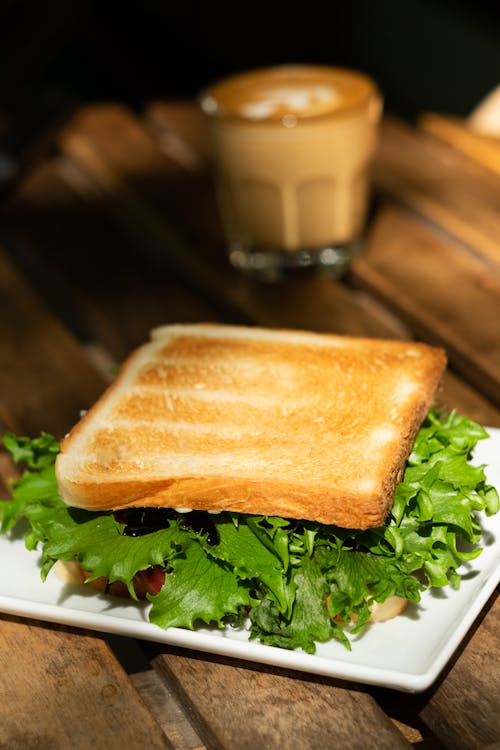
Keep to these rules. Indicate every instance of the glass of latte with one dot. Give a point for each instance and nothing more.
(292, 151)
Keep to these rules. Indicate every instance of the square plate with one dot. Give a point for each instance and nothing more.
(380, 655)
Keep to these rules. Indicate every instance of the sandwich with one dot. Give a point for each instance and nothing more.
(292, 483)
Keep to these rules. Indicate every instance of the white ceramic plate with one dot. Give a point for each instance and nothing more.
(406, 653)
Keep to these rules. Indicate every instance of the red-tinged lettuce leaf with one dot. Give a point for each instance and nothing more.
(198, 588)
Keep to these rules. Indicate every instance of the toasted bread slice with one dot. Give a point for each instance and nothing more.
(260, 421)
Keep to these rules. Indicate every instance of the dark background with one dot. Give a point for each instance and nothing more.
(440, 55)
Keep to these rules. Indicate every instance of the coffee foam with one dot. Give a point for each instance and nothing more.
(293, 99)
(276, 94)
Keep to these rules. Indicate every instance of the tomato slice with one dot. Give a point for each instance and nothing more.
(149, 581)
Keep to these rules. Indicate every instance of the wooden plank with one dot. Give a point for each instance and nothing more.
(438, 182)
(167, 710)
(119, 152)
(461, 709)
(459, 134)
(238, 705)
(45, 380)
(179, 129)
(462, 314)
(96, 276)
(63, 688)
(464, 708)
(152, 203)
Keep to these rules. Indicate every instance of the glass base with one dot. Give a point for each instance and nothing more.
(273, 265)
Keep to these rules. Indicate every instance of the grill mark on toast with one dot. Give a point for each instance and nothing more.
(255, 420)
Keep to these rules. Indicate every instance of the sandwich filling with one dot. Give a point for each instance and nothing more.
(292, 583)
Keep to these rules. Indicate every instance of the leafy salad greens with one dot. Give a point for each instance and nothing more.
(297, 582)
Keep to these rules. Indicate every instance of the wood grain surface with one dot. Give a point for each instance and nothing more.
(65, 689)
(458, 133)
(46, 379)
(458, 195)
(463, 705)
(235, 705)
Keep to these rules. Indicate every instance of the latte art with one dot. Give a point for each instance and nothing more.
(285, 100)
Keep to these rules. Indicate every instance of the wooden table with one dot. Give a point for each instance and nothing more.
(114, 231)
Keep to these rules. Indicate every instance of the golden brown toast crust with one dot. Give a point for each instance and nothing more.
(261, 421)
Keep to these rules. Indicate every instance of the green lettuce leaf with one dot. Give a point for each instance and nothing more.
(36, 453)
(257, 550)
(309, 621)
(198, 588)
(97, 544)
